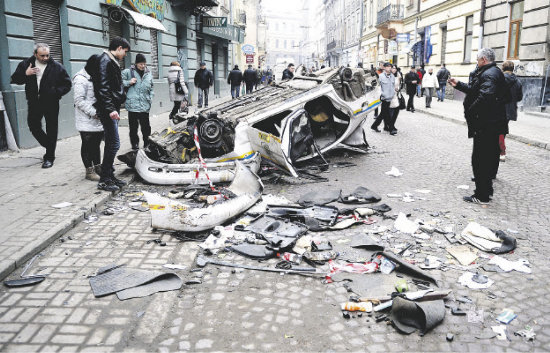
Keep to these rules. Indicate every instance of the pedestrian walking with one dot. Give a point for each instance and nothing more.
(87, 122)
(177, 94)
(235, 79)
(429, 84)
(109, 94)
(515, 89)
(419, 92)
(139, 82)
(394, 104)
(442, 76)
(411, 82)
(203, 81)
(288, 73)
(387, 86)
(250, 78)
(46, 81)
(485, 113)
(258, 78)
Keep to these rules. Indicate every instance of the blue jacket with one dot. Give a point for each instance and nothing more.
(140, 94)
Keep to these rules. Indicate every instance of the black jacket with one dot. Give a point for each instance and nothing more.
(516, 95)
(235, 77)
(203, 79)
(442, 76)
(108, 88)
(250, 76)
(486, 95)
(287, 75)
(409, 78)
(55, 82)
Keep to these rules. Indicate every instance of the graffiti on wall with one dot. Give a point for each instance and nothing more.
(154, 8)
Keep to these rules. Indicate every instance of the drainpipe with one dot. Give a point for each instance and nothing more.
(481, 23)
(360, 32)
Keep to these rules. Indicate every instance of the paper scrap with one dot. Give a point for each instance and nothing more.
(394, 172)
(403, 225)
(466, 280)
(62, 205)
(520, 265)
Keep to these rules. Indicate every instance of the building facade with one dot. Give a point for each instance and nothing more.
(284, 33)
(164, 31)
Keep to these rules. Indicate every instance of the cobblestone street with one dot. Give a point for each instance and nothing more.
(242, 310)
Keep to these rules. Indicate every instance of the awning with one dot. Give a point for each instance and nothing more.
(146, 21)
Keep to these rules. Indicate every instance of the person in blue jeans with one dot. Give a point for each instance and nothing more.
(110, 95)
(235, 79)
(442, 76)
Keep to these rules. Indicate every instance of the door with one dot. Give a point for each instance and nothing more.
(215, 67)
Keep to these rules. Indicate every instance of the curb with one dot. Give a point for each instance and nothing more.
(515, 137)
(54, 233)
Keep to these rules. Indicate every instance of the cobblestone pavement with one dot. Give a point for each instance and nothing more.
(255, 311)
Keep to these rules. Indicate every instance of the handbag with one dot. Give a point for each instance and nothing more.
(177, 84)
(402, 104)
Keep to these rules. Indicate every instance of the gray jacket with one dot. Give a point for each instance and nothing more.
(84, 99)
(387, 86)
(172, 78)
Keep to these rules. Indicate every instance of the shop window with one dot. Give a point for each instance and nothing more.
(514, 33)
(46, 27)
(468, 38)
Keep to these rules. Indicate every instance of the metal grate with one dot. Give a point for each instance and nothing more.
(154, 54)
(115, 29)
(46, 28)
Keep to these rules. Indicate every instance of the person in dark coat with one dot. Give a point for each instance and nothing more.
(442, 76)
(203, 81)
(411, 82)
(109, 94)
(235, 79)
(250, 78)
(484, 110)
(46, 81)
(288, 73)
(516, 95)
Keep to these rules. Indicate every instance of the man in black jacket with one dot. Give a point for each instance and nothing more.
(442, 76)
(203, 81)
(250, 78)
(109, 94)
(484, 110)
(46, 81)
(411, 80)
(235, 79)
(288, 73)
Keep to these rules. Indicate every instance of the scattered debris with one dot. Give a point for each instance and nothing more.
(528, 333)
(463, 187)
(506, 316)
(403, 225)
(26, 280)
(501, 332)
(468, 279)
(62, 205)
(408, 316)
(520, 265)
(394, 172)
(462, 253)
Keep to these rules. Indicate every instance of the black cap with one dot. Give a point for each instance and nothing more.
(140, 58)
(387, 64)
(202, 63)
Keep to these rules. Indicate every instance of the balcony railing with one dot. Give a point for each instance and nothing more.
(392, 12)
(333, 44)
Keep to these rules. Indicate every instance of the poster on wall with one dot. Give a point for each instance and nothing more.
(154, 8)
(427, 44)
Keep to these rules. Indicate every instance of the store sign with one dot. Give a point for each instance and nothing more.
(403, 37)
(214, 21)
(250, 58)
(248, 49)
(154, 8)
(392, 50)
(230, 32)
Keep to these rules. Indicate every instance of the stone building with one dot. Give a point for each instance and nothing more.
(519, 31)
(334, 29)
(162, 30)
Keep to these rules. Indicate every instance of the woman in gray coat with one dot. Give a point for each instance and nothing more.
(87, 122)
(175, 74)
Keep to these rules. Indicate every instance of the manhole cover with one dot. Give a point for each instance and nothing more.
(18, 162)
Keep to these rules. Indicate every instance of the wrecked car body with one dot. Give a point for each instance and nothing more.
(287, 123)
(166, 213)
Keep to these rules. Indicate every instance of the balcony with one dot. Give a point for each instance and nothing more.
(333, 44)
(391, 13)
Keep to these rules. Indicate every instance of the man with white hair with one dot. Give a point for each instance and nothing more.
(484, 110)
(46, 81)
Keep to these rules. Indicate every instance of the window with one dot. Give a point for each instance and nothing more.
(116, 19)
(46, 28)
(443, 43)
(468, 38)
(371, 13)
(514, 33)
(277, 43)
(154, 54)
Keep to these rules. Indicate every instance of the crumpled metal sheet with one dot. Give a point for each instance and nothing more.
(319, 197)
(408, 316)
(254, 251)
(121, 278)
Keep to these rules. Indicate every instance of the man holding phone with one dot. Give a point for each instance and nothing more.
(46, 81)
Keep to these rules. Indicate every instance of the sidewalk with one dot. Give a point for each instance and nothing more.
(529, 129)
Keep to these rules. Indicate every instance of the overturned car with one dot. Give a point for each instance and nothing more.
(285, 124)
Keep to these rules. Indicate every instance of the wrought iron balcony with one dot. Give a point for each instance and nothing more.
(333, 44)
(392, 12)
